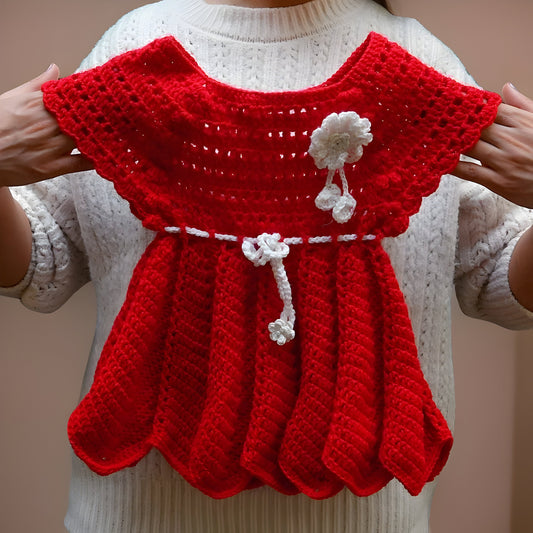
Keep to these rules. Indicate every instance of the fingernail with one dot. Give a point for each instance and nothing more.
(50, 67)
(512, 86)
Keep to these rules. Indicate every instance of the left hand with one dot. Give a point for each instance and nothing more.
(505, 151)
(32, 146)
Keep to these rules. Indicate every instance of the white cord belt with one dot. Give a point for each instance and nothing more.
(271, 248)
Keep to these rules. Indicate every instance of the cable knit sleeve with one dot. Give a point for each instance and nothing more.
(59, 265)
(489, 226)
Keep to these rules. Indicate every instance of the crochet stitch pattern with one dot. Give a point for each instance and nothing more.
(190, 366)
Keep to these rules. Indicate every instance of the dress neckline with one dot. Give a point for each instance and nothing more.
(355, 64)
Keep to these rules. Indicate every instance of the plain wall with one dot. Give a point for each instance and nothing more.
(522, 494)
(42, 357)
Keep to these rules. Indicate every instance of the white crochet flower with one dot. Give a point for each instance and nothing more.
(281, 331)
(269, 247)
(328, 197)
(340, 140)
(344, 208)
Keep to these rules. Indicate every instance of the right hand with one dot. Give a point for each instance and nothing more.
(32, 147)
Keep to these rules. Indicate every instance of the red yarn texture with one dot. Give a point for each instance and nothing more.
(189, 367)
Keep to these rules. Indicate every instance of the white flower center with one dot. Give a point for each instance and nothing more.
(339, 142)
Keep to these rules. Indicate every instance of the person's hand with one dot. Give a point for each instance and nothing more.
(505, 151)
(32, 147)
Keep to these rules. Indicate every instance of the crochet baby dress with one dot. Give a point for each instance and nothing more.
(264, 338)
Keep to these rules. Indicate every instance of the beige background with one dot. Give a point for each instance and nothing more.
(486, 485)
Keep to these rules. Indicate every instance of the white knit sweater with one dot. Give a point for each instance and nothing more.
(83, 230)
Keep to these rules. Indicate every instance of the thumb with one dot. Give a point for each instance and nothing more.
(512, 96)
(51, 73)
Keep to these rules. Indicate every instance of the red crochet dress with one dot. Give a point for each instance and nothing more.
(229, 182)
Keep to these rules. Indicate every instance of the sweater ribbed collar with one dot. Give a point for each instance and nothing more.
(268, 24)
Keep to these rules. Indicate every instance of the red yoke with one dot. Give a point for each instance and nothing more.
(188, 367)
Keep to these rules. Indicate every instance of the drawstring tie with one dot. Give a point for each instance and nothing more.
(270, 249)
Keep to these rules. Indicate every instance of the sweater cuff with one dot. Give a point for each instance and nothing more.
(42, 269)
(17, 291)
(499, 301)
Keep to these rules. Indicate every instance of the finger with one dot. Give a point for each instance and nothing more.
(505, 115)
(508, 188)
(62, 144)
(505, 137)
(50, 157)
(494, 135)
(477, 173)
(512, 96)
(66, 164)
(35, 84)
(52, 73)
(485, 151)
(512, 116)
(79, 163)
